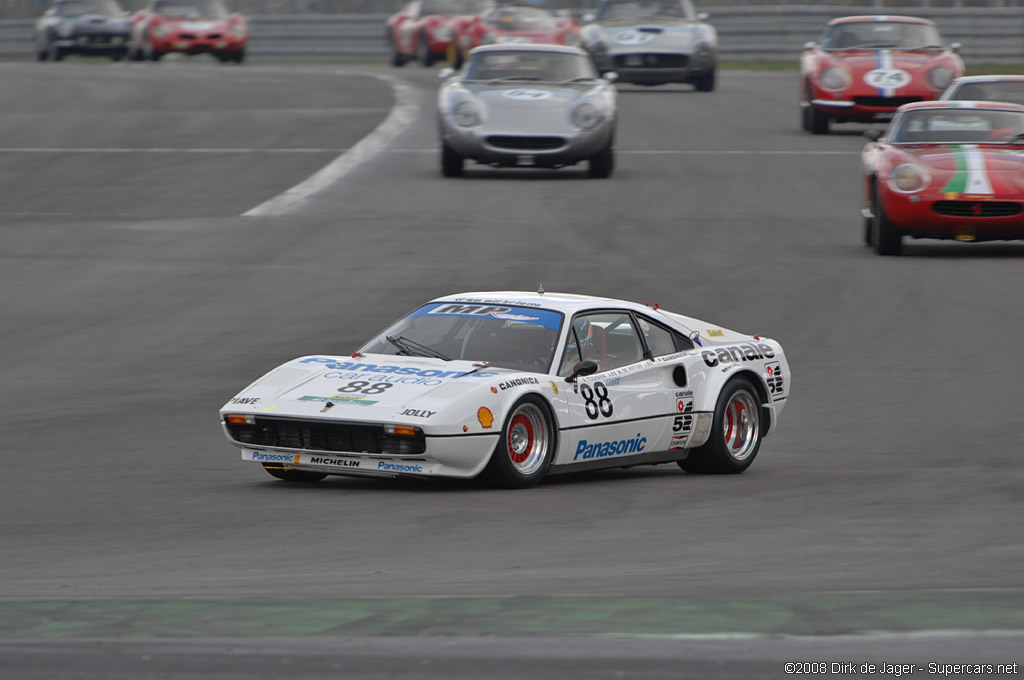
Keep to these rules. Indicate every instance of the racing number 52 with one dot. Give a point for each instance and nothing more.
(602, 405)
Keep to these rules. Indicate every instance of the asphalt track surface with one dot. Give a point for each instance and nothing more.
(881, 522)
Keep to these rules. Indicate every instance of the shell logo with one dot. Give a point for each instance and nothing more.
(486, 418)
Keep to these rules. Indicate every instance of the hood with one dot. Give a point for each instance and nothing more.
(198, 24)
(973, 170)
(633, 35)
(516, 94)
(863, 61)
(374, 387)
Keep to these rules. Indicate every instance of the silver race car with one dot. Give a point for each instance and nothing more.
(653, 42)
(527, 106)
(516, 386)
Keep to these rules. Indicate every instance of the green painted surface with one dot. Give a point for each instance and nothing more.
(514, 616)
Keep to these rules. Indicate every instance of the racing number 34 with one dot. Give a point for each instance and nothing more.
(602, 405)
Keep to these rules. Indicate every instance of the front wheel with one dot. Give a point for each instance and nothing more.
(423, 53)
(527, 446)
(886, 237)
(452, 162)
(287, 475)
(735, 433)
(705, 82)
(819, 122)
(602, 164)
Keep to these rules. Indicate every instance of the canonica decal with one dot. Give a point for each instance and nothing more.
(527, 95)
(632, 37)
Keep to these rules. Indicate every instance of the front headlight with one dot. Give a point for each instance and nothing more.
(834, 78)
(162, 30)
(586, 116)
(238, 30)
(908, 178)
(64, 30)
(940, 77)
(467, 114)
(442, 33)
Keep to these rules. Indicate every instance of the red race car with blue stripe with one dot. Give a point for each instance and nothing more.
(946, 170)
(868, 66)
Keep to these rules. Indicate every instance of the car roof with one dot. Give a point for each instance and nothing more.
(527, 47)
(993, 78)
(880, 17)
(961, 104)
(564, 302)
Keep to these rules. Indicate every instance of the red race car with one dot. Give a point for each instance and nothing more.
(189, 27)
(868, 66)
(515, 23)
(948, 170)
(425, 29)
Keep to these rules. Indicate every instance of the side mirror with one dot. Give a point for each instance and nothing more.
(955, 47)
(810, 45)
(610, 76)
(872, 135)
(703, 16)
(446, 73)
(581, 369)
(588, 17)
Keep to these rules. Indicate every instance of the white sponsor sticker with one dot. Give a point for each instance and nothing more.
(526, 94)
(632, 37)
(887, 78)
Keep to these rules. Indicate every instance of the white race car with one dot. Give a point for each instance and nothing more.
(517, 386)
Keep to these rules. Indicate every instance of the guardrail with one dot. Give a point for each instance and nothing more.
(747, 33)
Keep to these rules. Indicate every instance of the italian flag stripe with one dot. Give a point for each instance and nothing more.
(958, 182)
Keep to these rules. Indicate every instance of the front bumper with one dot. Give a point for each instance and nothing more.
(919, 218)
(865, 108)
(200, 45)
(536, 149)
(654, 67)
(460, 456)
(93, 43)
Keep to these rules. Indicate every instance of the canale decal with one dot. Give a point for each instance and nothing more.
(748, 352)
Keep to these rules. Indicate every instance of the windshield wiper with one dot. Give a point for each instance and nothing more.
(498, 80)
(413, 348)
(578, 79)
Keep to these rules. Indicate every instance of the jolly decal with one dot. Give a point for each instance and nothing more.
(725, 355)
(417, 413)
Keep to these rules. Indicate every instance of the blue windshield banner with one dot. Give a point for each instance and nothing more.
(530, 315)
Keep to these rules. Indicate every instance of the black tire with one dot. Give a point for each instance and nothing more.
(397, 58)
(527, 446)
(42, 54)
(601, 165)
(459, 59)
(819, 122)
(886, 238)
(155, 55)
(869, 236)
(239, 56)
(452, 162)
(423, 53)
(117, 57)
(54, 53)
(135, 52)
(705, 82)
(300, 476)
(736, 432)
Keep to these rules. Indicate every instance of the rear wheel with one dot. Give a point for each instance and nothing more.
(527, 446)
(54, 53)
(602, 164)
(886, 237)
(300, 476)
(452, 162)
(735, 433)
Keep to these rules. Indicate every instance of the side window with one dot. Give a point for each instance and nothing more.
(609, 338)
(661, 340)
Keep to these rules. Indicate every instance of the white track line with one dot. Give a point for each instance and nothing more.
(402, 113)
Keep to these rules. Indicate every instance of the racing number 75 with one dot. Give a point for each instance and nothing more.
(602, 405)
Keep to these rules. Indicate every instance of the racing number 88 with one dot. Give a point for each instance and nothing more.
(602, 404)
(359, 385)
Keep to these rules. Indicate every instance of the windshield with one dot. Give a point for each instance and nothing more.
(505, 336)
(529, 65)
(953, 126)
(881, 35)
(1005, 91)
(190, 9)
(79, 8)
(453, 6)
(619, 10)
(520, 19)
